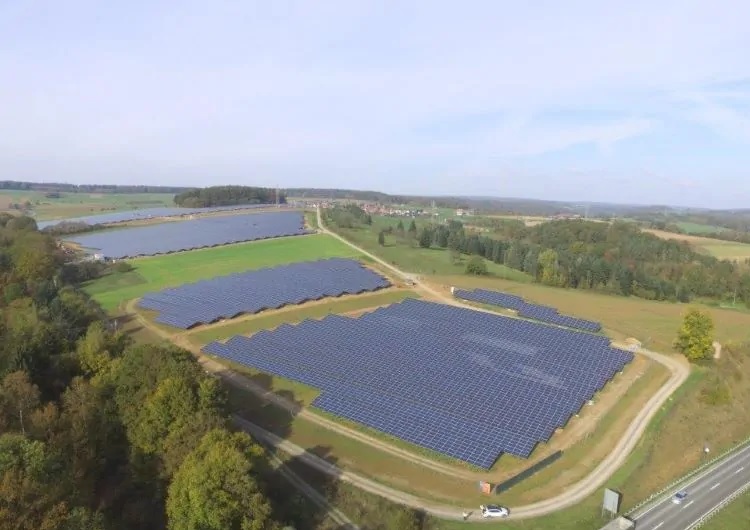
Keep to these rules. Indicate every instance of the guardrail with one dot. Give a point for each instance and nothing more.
(687, 476)
(709, 515)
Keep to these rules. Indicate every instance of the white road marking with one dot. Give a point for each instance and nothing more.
(739, 470)
(715, 486)
(688, 504)
(659, 525)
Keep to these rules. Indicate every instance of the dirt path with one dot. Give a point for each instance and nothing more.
(572, 495)
(587, 486)
(240, 381)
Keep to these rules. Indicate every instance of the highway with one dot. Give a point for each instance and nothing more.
(705, 492)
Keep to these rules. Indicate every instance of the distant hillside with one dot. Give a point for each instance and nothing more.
(227, 196)
(86, 188)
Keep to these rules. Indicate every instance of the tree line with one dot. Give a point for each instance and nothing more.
(86, 188)
(99, 433)
(227, 196)
(612, 257)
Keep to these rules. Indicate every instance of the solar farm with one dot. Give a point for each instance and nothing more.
(254, 291)
(466, 384)
(525, 309)
(147, 213)
(191, 234)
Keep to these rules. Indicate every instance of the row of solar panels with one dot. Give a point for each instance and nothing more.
(191, 234)
(253, 291)
(467, 384)
(527, 310)
(147, 213)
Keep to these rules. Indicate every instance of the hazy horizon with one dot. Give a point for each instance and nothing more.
(643, 104)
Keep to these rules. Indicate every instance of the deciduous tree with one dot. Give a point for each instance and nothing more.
(214, 488)
(695, 336)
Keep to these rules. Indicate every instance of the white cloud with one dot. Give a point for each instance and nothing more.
(343, 86)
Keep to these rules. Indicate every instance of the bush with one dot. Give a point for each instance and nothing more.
(123, 266)
(716, 392)
(476, 266)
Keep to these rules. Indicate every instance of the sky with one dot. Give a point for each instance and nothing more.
(632, 102)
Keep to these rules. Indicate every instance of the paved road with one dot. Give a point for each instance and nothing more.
(705, 492)
(599, 475)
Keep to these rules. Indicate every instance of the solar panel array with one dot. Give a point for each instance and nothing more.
(253, 291)
(195, 233)
(467, 384)
(146, 213)
(527, 310)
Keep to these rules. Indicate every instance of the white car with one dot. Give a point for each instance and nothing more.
(492, 510)
(679, 497)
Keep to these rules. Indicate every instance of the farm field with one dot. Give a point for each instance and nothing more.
(699, 229)
(158, 272)
(80, 204)
(715, 247)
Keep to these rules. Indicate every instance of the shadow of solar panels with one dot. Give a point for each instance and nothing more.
(254, 291)
(467, 384)
(527, 310)
(192, 234)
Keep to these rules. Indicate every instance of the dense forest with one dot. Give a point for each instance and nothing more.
(227, 196)
(613, 257)
(99, 433)
(86, 188)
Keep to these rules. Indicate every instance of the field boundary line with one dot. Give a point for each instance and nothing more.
(666, 491)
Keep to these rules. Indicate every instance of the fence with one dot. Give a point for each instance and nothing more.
(687, 476)
(708, 515)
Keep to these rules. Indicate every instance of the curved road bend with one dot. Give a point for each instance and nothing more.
(588, 485)
(706, 492)
(571, 496)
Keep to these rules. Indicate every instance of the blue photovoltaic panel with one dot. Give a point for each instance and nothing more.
(464, 383)
(146, 213)
(525, 309)
(195, 233)
(253, 291)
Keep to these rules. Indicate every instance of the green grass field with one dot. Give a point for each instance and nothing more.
(655, 324)
(727, 249)
(418, 260)
(154, 273)
(698, 229)
(80, 204)
(314, 311)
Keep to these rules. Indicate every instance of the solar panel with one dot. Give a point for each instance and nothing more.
(526, 309)
(463, 383)
(146, 213)
(191, 234)
(253, 291)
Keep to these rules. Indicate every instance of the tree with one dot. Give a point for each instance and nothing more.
(400, 227)
(549, 267)
(18, 398)
(381, 238)
(214, 488)
(425, 238)
(412, 228)
(695, 336)
(476, 266)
